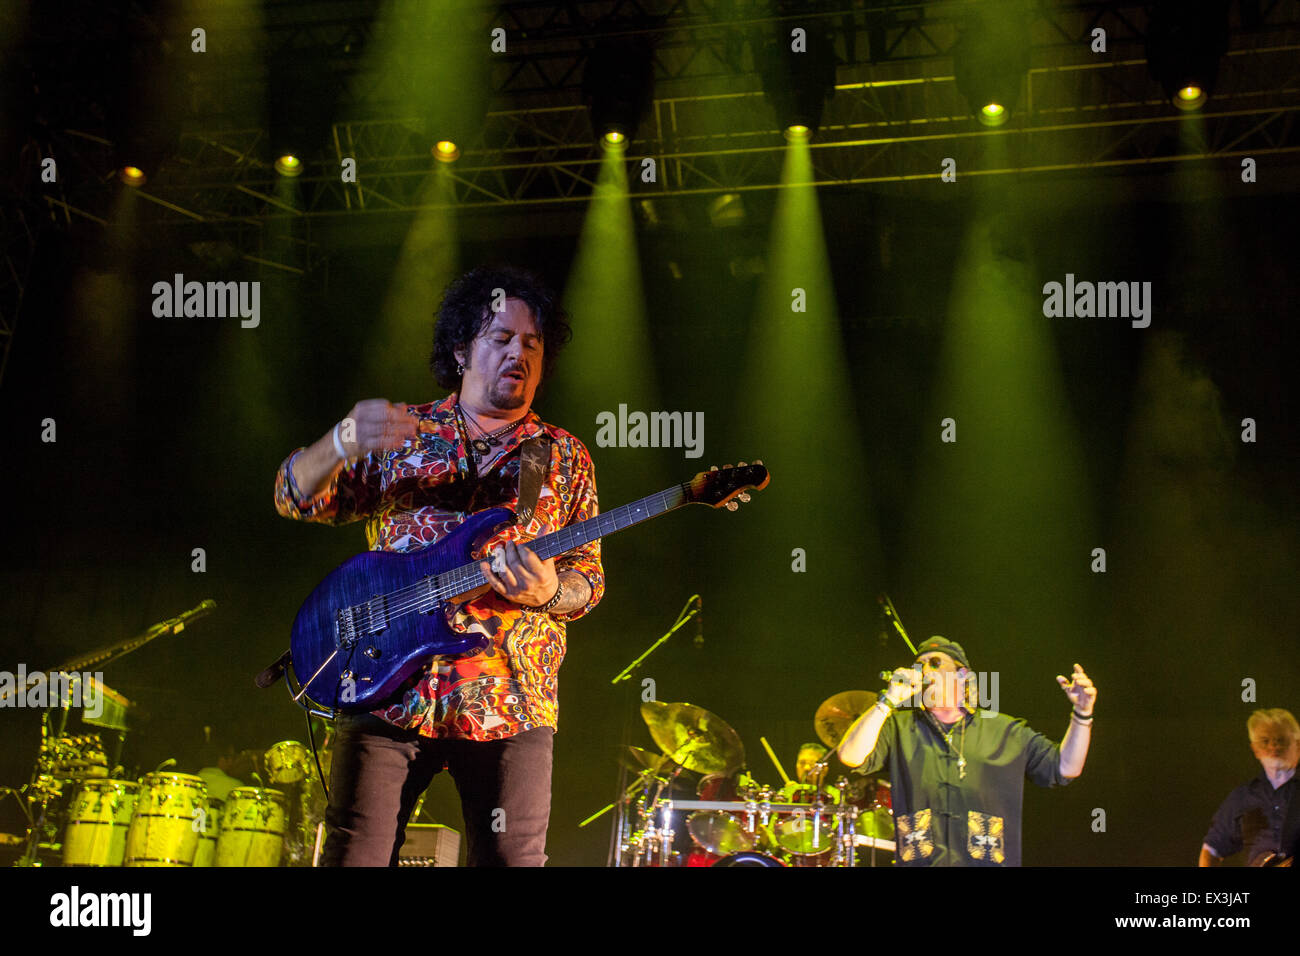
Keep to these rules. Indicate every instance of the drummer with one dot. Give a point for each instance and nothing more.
(809, 756)
(223, 769)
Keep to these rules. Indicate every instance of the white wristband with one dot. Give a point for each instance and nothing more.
(338, 445)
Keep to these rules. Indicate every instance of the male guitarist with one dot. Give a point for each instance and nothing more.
(414, 473)
(1254, 816)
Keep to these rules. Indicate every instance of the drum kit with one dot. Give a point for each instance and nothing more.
(733, 820)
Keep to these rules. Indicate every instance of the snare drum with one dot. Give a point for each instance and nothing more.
(98, 822)
(252, 828)
(168, 816)
(287, 762)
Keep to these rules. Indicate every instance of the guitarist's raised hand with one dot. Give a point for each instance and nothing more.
(376, 425)
(372, 425)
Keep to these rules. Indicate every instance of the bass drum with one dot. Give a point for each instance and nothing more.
(98, 823)
(749, 859)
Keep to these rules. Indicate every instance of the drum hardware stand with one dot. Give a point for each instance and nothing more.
(41, 789)
(619, 835)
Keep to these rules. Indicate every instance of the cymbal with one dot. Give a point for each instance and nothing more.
(694, 737)
(638, 760)
(838, 712)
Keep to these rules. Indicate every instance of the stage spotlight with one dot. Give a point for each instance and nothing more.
(445, 151)
(993, 114)
(1184, 45)
(132, 176)
(288, 165)
(617, 85)
(798, 82)
(1190, 97)
(990, 60)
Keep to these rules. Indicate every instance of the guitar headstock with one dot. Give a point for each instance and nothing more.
(721, 487)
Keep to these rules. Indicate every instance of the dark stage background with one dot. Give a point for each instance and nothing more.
(169, 432)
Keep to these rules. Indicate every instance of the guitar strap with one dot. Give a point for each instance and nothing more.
(534, 460)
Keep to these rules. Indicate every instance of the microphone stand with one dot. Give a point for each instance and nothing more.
(619, 830)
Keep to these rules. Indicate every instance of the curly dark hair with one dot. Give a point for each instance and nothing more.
(466, 310)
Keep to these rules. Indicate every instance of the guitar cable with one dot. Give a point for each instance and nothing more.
(320, 774)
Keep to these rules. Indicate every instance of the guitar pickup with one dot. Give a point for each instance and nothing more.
(430, 602)
(376, 614)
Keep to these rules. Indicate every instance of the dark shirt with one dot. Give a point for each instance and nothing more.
(1251, 819)
(944, 819)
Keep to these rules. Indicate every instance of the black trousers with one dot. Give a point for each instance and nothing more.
(379, 771)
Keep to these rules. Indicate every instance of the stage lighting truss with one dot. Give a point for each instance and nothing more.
(710, 126)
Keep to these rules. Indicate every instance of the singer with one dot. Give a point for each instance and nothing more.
(957, 773)
(415, 473)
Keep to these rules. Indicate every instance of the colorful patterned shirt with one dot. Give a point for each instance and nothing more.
(413, 496)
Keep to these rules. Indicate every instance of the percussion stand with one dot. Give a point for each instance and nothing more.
(617, 837)
(38, 789)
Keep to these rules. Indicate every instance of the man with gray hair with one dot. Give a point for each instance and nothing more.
(1252, 817)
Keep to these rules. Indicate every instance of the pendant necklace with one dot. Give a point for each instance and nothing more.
(483, 446)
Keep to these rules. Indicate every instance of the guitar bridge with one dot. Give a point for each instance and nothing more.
(345, 629)
(360, 620)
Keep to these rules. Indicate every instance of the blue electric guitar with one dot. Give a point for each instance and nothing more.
(379, 616)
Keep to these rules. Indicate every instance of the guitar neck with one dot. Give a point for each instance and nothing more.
(574, 536)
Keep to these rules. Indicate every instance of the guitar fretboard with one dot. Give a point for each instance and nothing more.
(468, 576)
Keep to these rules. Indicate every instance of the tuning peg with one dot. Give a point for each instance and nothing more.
(744, 496)
(713, 467)
(742, 464)
(758, 461)
(730, 465)
(732, 506)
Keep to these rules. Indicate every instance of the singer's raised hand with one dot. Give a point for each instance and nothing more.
(1079, 688)
(903, 685)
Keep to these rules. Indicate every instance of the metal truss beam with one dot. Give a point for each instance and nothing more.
(896, 112)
